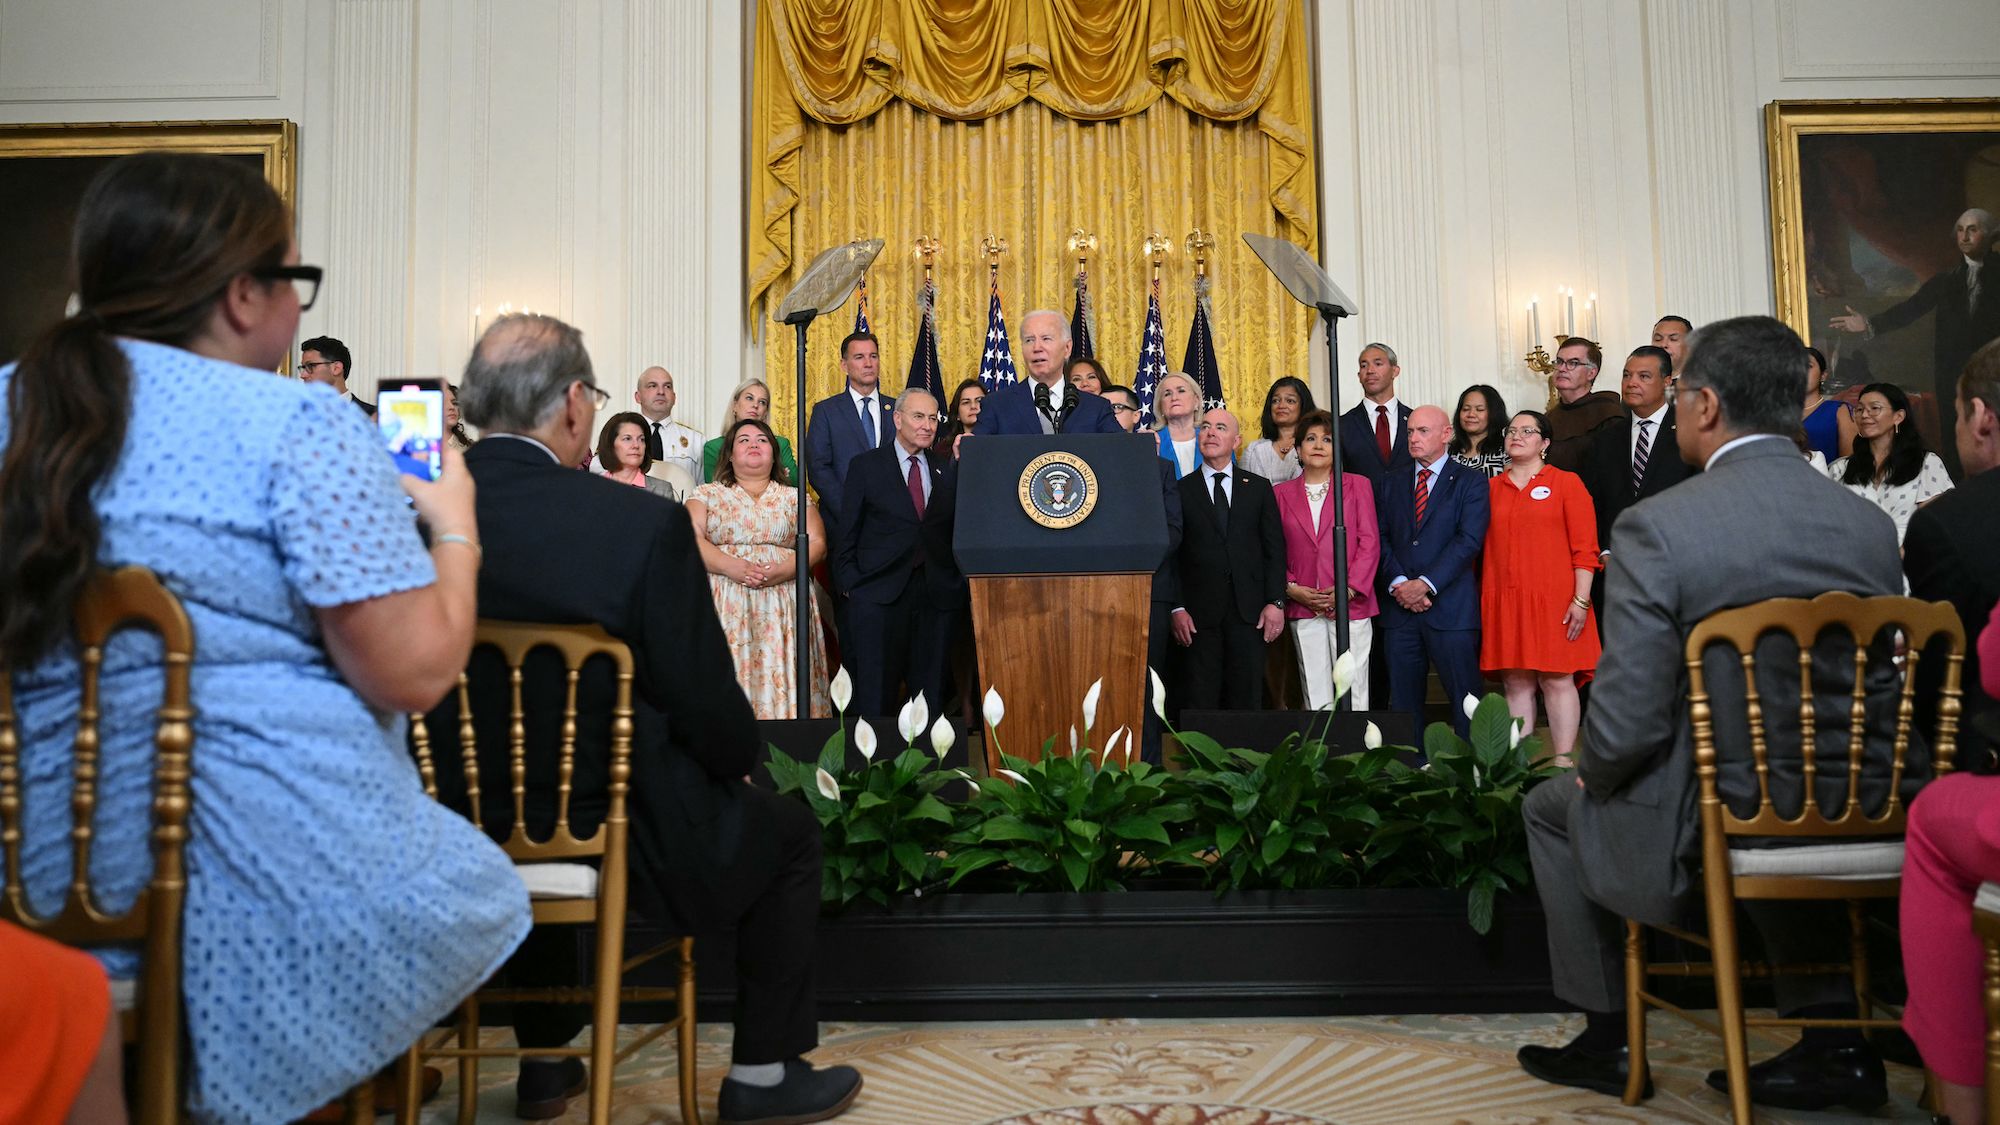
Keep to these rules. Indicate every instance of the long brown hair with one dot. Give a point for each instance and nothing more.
(725, 465)
(158, 239)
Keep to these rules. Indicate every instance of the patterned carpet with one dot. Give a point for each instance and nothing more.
(1362, 1071)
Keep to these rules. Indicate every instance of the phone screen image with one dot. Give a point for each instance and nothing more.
(411, 416)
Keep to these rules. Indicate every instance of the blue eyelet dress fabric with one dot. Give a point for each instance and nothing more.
(334, 911)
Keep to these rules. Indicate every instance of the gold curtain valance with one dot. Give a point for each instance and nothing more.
(838, 62)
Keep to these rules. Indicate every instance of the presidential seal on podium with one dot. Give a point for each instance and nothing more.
(1058, 489)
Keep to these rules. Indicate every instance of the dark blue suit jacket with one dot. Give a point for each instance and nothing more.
(1358, 452)
(833, 437)
(1445, 548)
(1011, 410)
(881, 539)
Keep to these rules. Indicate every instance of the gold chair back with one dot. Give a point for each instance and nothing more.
(128, 597)
(1865, 619)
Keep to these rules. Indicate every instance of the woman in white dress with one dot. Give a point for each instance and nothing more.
(1275, 456)
(1890, 466)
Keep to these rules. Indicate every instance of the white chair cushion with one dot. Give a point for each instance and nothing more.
(558, 880)
(124, 995)
(1872, 859)
(1988, 898)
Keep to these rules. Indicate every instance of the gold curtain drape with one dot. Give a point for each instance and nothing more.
(1025, 119)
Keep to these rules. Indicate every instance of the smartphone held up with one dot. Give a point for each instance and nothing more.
(410, 413)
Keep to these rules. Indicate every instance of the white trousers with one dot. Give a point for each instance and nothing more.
(1315, 639)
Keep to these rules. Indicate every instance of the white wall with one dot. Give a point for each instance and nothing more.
(1476, 152)
(586, 157)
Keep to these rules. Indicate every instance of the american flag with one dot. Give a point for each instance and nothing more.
(924, 372)
(1079, 319)
(1152, 357)
(861, 310)
(996, 363)
(1198, 360)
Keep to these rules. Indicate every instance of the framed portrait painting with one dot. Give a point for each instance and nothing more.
(43, 172)
(1881, 228)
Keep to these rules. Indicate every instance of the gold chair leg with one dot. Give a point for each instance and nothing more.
(684, 1000)
(359, 1104)
(468, 1065)
(1729, 1001)
(1992, 1030)
(410, 1078)
(1635, 1012)
(604, 1020)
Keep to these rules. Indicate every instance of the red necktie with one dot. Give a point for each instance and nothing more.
(917, 485)
(1423, 493)
(1382, 432)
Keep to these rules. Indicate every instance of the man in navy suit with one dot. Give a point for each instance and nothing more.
(1045, 402)
(1232, 574)
(893, 557)
(1433, 517)
(1374, 434)
(848, 423)
(1635, 456)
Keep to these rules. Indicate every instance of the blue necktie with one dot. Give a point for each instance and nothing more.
(868, 422)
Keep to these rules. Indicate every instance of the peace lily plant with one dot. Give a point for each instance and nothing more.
(1304, 815)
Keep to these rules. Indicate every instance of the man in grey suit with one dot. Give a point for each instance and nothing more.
(1620, 838)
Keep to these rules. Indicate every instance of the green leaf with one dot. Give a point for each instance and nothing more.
(1139, 828)
(930, 808)
(865, 830)
(1082, 828)
(1275, 844)
(1077, 870)
(1227, 837)
(1479, 904)
(1009, 828)
(911, 858)
(833, 755)
(868, 801)
(1442, 744)
(1202, 746)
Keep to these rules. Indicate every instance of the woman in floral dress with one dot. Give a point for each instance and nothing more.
(746, 523)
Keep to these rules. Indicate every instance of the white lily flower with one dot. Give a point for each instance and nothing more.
(942, 737)
(906, 724)
(1072, 741)
(1013, 776)
(1090, 703)
(1514, 735)
(1371, 738)
(1471, 705)
(920, 712)
(828, 787)
(1159, 695)
(864, 739)
(841, 690)
(1126, 754)
(1343, 674)
(994, 708)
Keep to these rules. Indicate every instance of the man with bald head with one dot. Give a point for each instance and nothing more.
(1045, 402)
(892, 558)
(1965, 298)
(1232, 574)
(666, 439)
(1432, 515)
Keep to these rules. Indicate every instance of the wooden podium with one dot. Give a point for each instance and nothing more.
(1059, 538)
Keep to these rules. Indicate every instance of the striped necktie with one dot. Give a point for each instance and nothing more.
(1423, 493)
(1640, 454)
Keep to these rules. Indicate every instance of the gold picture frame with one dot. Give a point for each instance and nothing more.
(43, 168)
(1792, 131)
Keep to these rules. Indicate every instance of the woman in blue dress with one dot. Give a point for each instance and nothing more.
(333, 910)
(1828, 423)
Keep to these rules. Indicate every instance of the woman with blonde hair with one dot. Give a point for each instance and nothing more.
(750, 400)
(1176, 416)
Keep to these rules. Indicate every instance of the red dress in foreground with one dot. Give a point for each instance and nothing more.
(1538, 537)
(53, 1004)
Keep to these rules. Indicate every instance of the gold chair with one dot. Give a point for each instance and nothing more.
(565, 890)
(1986, 922)
(1862, 857)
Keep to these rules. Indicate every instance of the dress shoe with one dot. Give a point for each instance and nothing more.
(1807, 1076)
(545, 1086)
(805, 1095)
(1568, 1066)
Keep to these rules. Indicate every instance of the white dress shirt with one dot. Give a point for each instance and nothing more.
(882, 423)
(1657, 418)
(1208, 477)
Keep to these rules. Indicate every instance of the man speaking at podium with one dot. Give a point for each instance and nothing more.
(1045, 403)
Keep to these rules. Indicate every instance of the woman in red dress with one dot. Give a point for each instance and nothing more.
(1534, 584)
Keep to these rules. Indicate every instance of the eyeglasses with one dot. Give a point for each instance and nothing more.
(599, 397)
(306, 276)
(1873, 408)
(1121, 408)
(1517, 431)
(317, 363)
(1572, 362)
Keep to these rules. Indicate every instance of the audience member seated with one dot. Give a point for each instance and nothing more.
(960, 419)
(1537, 632)
(1621, 838)
(1828, 422)
(708, 851)
(1177, 420)
(1432, 515)
(1086, 375)
(622, 456)
(751, 400)
(1310, 590)
(893, 557)
(1476, 427)
(1275, 455)
(1374, 434)
(60, 1046)
(1579, 411)
(333, 910)
(1232, 574)
(454, 425)
(746, 526)
(1125, 408)
(1890, 468)
(1949, 552)
(1951, 847)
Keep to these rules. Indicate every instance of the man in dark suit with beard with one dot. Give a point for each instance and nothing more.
(708, 851)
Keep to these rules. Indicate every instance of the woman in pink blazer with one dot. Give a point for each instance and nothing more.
(1309, 591)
